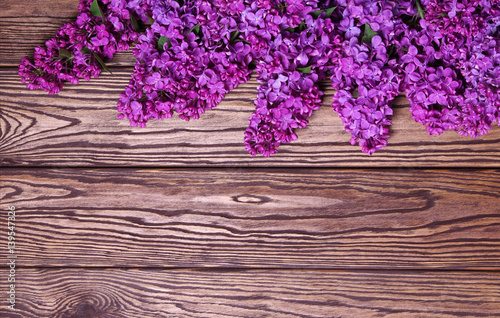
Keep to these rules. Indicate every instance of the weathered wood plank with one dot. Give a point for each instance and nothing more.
(26, 9)
(79, 127)
(401, 218)
(136, 293)
(87, 128)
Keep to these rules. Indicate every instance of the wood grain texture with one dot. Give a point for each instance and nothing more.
(386, 219)
(115, 293)
(79, 127)
(275, 242)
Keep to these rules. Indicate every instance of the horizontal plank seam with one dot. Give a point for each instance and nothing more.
(217, 167)
(247, 269)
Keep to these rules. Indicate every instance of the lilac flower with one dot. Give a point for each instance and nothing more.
(78, 48)
(155, 80)
(444, 55)
(191, 72)
(347, 25)
(257, 18)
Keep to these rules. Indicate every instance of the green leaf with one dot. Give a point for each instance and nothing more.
(161, 42)
(391, 50)
(150, 19)
(65, 53)
(302, 26)
(104, 67)
(369, 34)
(291, 30)
(234, 35)
(134, 23)
(240, 40)
(328, 14)
(355, 93)
(195, 29)
(304, 69)
(85, 50)
(420, 10)
(96, 11)
(317, 13)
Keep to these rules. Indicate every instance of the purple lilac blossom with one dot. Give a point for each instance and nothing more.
(192, 71)
(366, 77)
(74, 52)
(290, 70)
(445, 55)
(452, 76)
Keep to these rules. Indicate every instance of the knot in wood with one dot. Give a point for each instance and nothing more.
(86, 311)
(249, 198)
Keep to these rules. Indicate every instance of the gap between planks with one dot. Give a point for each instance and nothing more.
(259, 293)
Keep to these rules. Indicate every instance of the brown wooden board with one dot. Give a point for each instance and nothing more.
(206, 230)
(79, 127)
(279, 218)
(117, 293)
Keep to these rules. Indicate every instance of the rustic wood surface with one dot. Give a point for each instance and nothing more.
(79, 127)
(177, 220)
(257, 218)
(116, 293)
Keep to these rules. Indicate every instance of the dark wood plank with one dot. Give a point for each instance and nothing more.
(278, 218)
(86, 126)
(25, 24)
(33, 9)
(79, 127)
(72, 293)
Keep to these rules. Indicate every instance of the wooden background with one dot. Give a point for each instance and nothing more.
(177, 220)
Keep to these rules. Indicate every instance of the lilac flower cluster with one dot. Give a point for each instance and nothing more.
(101, 29)
(452, 66)
(263, 20)
(366, 76)
(186, 62)
(290, 71)
(444, 55)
